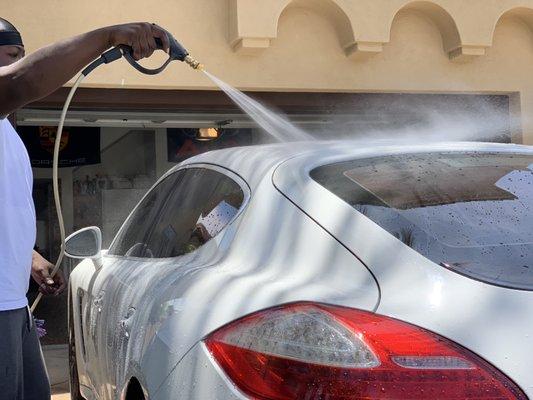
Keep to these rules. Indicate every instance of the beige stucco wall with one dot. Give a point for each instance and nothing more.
(478, 46)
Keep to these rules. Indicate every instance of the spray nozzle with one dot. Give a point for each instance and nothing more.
(178, 52)
(193, 63)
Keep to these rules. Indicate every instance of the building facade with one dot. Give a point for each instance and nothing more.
(444, 69)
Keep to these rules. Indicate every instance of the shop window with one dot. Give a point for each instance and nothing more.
(180, 214)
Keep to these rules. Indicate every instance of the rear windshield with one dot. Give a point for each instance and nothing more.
(468, 212)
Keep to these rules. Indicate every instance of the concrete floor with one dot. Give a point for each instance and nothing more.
(60, 392)
(56, 359)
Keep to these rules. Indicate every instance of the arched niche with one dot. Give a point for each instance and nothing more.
(254, 23)
(524, 14)
(332, 11)
(447, 26)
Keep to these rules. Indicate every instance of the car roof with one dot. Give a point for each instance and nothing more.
(253, 162)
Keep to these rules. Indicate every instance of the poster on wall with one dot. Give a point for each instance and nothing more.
(79, 145)
(183, 143)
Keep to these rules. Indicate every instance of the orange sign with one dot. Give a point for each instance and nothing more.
(47, 138)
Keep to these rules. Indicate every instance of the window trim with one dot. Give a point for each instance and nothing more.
(247, 193)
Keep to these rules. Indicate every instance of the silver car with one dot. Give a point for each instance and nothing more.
(314, 271)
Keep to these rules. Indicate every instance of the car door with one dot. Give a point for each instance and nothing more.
(172, 223)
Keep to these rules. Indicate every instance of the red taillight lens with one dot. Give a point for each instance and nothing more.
(315, 351)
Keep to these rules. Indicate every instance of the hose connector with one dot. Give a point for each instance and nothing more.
(193, 63)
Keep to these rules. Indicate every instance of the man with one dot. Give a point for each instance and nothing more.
(22, 80)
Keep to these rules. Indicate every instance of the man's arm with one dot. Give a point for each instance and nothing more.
(49, 68)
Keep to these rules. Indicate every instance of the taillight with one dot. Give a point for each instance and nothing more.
(315, 351)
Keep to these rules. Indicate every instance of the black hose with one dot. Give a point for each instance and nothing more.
(109, 56)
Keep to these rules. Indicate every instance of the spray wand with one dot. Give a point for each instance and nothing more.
(176, 53)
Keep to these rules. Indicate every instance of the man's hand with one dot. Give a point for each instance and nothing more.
(40, 272)
(140, 37)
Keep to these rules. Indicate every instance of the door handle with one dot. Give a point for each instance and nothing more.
(125, 324)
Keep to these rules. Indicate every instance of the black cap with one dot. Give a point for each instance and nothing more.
(9, 35)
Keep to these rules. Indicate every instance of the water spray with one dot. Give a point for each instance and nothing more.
(176, 53)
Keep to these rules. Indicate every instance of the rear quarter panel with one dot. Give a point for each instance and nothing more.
(494, 322)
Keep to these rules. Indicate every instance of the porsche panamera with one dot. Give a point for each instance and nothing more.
(322, 270)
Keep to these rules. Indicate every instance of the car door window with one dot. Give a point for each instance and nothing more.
(180, 214)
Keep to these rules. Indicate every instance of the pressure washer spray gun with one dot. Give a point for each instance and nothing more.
(176, 53)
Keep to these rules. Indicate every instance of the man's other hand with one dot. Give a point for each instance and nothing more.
(40, 272)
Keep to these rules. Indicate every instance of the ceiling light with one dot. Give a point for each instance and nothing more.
(206, 134)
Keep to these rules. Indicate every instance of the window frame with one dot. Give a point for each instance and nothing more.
(200, 165)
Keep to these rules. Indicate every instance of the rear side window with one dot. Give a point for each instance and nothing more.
(180, 214)
(469, 212)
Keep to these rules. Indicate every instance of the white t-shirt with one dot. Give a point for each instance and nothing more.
(17, 219)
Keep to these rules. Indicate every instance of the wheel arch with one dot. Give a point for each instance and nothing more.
(134, 390)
